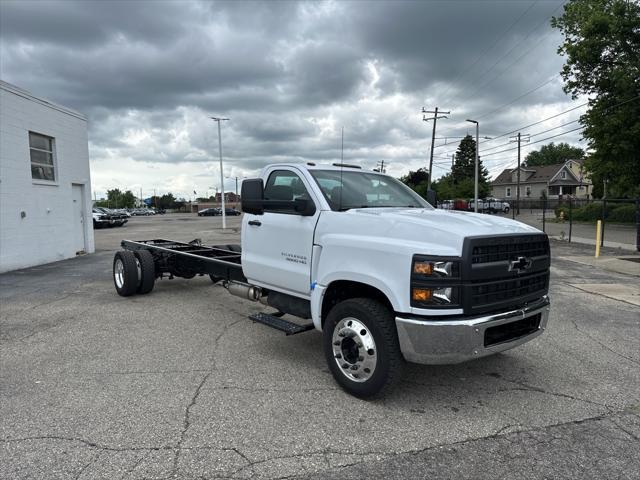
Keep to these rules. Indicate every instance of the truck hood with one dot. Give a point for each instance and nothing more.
(451, 221)
(443, 229)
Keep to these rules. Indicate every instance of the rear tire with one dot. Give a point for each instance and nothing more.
(147, 271)
(125, 273)
(361, 347)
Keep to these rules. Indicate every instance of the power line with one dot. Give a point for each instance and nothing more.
(529, 125)
(549, 129)
(537, 141)
(519, 97)
(511, 50)
(484, 52)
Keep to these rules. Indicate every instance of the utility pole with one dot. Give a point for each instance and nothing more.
(518, 138)
(380, 167)
(433, 136)
(224, 216)
(453, 160)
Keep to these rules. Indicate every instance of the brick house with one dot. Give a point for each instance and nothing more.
(556, 181)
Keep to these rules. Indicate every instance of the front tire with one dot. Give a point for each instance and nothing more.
(361, 347)
(125, 273)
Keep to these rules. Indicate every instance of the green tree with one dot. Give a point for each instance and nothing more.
(417, 181)
(552, 154)
(118, 199)
(601, 45)
(460, 182)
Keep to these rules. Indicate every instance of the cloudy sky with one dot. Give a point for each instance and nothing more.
(289, 76)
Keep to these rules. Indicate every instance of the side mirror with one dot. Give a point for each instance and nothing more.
(304, 207)
(252, 196)
(432, 198)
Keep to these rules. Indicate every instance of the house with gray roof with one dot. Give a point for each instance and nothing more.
(554, 181)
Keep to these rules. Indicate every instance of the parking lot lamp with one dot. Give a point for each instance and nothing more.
(224, 216)
(475, 204)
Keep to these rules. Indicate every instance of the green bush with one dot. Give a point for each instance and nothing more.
(623, 214)
(616, 213)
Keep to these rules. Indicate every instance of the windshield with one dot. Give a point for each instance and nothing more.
(349, 189)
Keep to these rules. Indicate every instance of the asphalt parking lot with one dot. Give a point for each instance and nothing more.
(180, 384)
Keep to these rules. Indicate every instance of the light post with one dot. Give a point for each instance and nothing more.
(236, 183)
(224, 216)
(475, 204)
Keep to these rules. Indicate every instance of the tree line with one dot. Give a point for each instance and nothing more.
(119, 199)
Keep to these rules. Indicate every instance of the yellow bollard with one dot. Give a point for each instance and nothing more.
(598, 237)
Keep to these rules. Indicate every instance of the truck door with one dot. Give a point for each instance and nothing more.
(277, 246)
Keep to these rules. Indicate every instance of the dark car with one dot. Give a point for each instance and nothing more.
(232, 211)
(209, 212)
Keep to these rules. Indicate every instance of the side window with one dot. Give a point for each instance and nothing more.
(284, 185)
(42, 157)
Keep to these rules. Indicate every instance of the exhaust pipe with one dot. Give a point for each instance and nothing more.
(247, 292)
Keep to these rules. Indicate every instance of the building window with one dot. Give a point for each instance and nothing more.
(563, 175)
(508, 192)
(528, 191)
(42, 164)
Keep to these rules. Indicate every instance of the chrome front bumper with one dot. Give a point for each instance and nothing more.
(454, 341)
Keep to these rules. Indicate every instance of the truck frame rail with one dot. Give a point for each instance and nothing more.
(190, 259)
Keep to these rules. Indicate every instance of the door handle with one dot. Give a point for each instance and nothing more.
(255, 223)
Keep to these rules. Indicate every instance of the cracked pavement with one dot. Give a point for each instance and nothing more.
(180, 384)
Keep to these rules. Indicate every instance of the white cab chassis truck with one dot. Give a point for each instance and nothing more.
(384, 276)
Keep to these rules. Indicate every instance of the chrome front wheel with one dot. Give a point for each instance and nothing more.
(354, 349)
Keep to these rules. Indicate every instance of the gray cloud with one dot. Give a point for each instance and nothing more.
(289, 75)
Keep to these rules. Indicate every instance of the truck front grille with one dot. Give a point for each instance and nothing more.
(509, 248)
(491, 277)
(498, 291)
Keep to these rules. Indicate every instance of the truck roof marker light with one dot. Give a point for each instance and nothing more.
(421, 294)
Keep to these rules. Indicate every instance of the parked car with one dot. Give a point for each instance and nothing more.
(232, 211)
(142, 212)
(209, 212)
(105, 217)
(490, 205)
(457, 204)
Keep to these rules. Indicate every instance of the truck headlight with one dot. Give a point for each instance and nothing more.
(435, 268)
(426, 297)
(435, 282)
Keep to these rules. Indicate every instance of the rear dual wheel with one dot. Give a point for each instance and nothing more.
(133, 272)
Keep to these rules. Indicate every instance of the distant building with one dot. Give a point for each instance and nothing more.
(45, 185)
(228, 197)
(562, 179)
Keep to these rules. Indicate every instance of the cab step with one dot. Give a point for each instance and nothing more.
(281, 324)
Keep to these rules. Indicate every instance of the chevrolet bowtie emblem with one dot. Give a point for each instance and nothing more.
(520, 265)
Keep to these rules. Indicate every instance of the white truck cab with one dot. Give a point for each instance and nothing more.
(382, 274)
(444, 277)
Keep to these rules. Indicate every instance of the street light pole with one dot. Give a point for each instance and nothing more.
(224, 216)
(475, 204)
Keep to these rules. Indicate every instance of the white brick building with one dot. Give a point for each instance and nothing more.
(45, 186)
